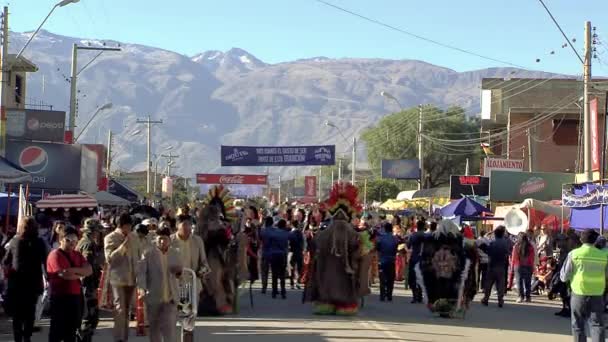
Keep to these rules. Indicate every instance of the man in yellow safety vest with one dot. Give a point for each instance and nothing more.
(586, 270)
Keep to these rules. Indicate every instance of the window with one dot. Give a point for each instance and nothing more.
(18, 89)
(565, 132)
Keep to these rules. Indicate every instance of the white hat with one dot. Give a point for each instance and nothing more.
(150, 221)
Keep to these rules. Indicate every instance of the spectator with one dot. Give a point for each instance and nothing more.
(482, 240)
(121, 256)
(296, 246)
(586, 269)
(387, 252)
(24, 260)
(523, 263)
(65, 268)
(265, 237)
(498, 253)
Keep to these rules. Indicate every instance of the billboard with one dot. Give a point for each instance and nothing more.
(30, 124)
(310, 186)
(513, 186)
(469, 186)
(53, 166)
(499, 164)
(278, 155)
(401, 169)
(209, 178)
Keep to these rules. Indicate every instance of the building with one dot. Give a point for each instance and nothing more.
(537, 121)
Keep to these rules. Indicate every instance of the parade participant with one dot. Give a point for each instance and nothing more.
(446, 270)
(141, 236)
(334, 286)
(90, 248)
(65, 267)
(219, 294)
(296, 247)
(152, 225)
(523, 264)
(157, 274)
(482, 272)
(414, 244)
(586, 269)
(498, 253)
(253, 245)
(278, 239)
(25, 261)
(190, 249)
(265, 235)
(121, 256)
(387, 252)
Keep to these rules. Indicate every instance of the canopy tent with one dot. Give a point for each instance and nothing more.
(78, 201)
(11, 173)
(118, 189)
(422, 203)
(106, 198)
(464, 207)
(443, 192)
(406, 195)
(537, 213)
(4, 204)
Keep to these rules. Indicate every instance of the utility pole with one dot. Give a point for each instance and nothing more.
(74, 80)
(169, 162)
(149, 124)
(354, 164)
(109, 155)
(586, 109)
(332, 178)
(365, 193)
(4, 81)
(339, 169)
(420, 154)
(530, 168)
(319, 186)
(279, 189)
(466, 168)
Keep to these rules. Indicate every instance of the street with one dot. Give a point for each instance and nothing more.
(290, 320)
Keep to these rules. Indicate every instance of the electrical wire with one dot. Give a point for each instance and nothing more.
(562, 31)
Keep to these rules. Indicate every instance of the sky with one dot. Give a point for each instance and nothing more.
(513, 31)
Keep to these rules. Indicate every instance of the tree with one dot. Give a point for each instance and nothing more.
(394, 137)
(381, 190)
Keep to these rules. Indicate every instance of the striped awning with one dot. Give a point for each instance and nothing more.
(79, 201)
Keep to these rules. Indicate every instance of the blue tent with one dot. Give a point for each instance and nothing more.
(464, 207)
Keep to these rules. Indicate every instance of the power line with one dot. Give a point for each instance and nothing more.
(562, 31)
(417, 36)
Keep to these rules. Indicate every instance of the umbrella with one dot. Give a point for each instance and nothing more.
(464, 207)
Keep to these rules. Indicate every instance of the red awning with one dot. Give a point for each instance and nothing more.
(67, 201)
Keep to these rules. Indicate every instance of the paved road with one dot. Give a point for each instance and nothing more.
(290, 321)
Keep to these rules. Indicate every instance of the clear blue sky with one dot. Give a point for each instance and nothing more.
(518, 31)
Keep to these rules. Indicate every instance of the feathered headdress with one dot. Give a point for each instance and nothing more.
(343, 198)
(219, 196)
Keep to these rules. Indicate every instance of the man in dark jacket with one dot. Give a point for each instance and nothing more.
(414, 243)
(278, 240)
(498, 252)
(296, 246)
(90, 248)
(265, 236)
(387, 252)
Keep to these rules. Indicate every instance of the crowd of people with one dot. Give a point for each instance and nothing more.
(71, 272)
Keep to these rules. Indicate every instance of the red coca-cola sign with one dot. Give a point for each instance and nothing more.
(213, 178)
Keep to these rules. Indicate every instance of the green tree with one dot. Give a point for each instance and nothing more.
(381, 190)
(394, 137)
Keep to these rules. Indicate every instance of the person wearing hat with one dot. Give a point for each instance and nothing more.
(157, 279)
(90, 248)
(152, 225)
(586, 268)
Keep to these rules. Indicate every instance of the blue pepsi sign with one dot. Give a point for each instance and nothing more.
(278, 155)
(401, 169)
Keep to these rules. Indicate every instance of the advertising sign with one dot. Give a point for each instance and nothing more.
(278, 155)
(400, 169)
(30, 124)
(310, 186)
(208, 178)
(513, 186)
(53, 166)
(595, 137)
(499, 164)
(584, 195)
(469, 186)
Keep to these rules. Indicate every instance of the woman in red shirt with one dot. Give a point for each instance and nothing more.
(523, 264)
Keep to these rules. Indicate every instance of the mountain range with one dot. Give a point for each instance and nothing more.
(233, 97)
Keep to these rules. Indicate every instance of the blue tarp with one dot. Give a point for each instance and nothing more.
(464, 207)
(588, 217)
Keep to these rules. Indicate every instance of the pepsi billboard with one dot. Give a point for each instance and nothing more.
(53, 166)
(31, 124)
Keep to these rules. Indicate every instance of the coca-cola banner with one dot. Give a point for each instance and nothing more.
(310, 186)
(278, 155)
(516, 186)
(401, 169)
(209, 178)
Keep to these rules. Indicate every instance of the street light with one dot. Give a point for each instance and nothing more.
(59, 4)
(391, 97)
(104, 107)
(354, 163)
(168, 148)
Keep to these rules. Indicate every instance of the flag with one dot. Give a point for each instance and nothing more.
(22, 210)
(486, 149)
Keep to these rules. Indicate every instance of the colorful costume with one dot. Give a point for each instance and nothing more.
(446, 271)
(214, 226)
(334, 285)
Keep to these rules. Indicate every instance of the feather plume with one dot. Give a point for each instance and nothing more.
(344, 198)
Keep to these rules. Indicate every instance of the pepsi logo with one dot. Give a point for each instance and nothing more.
(33, 124)
(33, 159)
